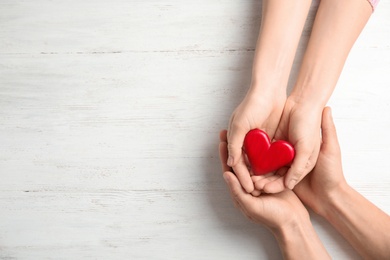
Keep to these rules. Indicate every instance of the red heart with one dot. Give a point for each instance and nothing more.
(265, 156)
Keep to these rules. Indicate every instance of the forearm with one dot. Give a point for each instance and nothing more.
(362, 224)
(281, 27)
(336, 28)
(300, 241)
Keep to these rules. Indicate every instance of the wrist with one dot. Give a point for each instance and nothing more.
(310, 99)
(271, 91)
(297, 223)
(313, 86)
(299, 240)
(307, 107)
(334, 200)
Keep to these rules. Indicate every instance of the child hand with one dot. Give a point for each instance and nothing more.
(300, 125)
(255, 111)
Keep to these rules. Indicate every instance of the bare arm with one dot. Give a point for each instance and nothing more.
(336, 27)
(281, 28)
(283, 213)
(300, 241)
(325, 190)
(362, 224)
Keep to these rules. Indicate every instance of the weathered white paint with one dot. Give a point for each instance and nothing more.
(109, 121)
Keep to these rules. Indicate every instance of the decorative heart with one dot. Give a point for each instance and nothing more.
(264, 156)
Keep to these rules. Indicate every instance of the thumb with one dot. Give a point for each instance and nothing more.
(328, 130)
(301, 165)
(236, 136)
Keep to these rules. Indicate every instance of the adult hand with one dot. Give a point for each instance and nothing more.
(272, 210)
(257, 110)
(283, 213)
(316, 189)
(326, 191)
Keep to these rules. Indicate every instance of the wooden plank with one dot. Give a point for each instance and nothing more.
(109, 121)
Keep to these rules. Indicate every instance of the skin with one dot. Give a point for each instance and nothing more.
(334, 32)
(282, 213)
(326, 191)
(281, 26)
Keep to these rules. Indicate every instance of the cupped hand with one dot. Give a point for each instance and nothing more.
(300, 125)
(272, 210)
(318, 187)
(257, 110)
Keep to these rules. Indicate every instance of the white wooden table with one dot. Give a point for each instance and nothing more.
(109, 121)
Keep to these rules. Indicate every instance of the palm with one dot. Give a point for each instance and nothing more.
(260, 112)
(301, 127)
(273, 210)
(252, 113)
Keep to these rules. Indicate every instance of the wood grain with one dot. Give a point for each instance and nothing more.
(109, 121)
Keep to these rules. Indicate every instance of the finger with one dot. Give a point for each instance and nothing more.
(246, 160)
(243, 175)
(237, 192)
(223, 156)
(223, 136)
(260, 183)
(282, 171)
(299, 168)
(265, 178)
(256, 193)
(280, 134)
(273, 183)
(328, 129)
(236, 136)
(275, 186)
(223, 151)
(241, 169)
(256, 178)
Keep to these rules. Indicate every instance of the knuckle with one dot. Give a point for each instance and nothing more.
(297, 173)
(301, 171)
(233, 147)
(237, 127)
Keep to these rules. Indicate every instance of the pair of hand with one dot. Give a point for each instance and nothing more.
(291, 120)
(275, 210)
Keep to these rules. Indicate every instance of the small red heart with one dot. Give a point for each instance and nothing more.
(265, 156)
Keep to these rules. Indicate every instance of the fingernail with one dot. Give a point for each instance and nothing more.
(291, 184)
(256, 193)
(230, 161)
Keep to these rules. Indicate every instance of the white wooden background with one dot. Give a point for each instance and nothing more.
(109, 121)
